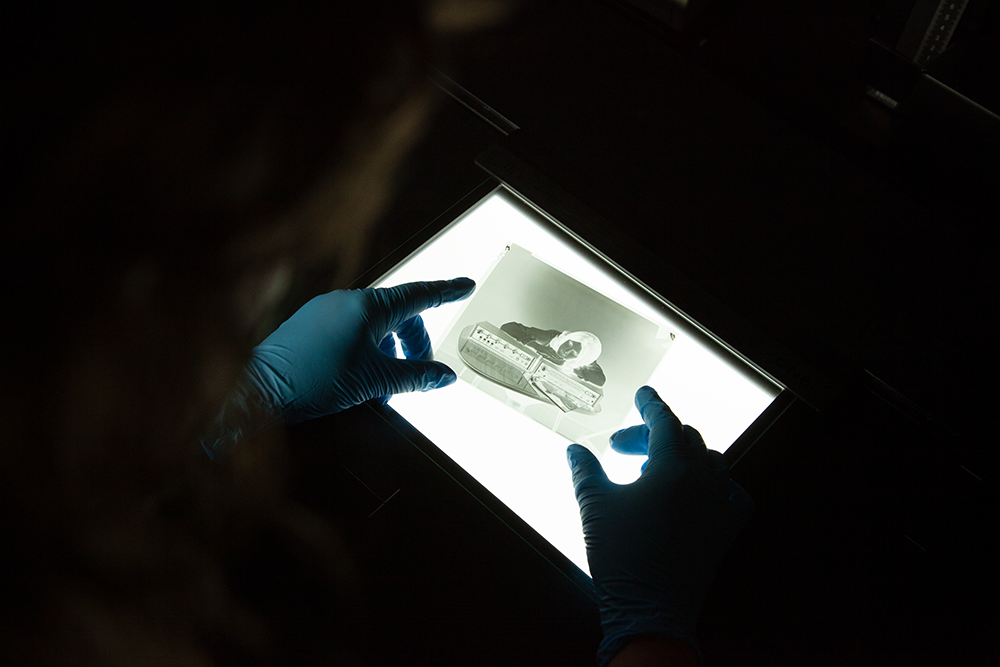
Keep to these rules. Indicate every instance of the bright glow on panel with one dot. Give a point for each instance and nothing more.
(517, 459)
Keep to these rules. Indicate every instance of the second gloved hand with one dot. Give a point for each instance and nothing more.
(338, 351)
(654, 545)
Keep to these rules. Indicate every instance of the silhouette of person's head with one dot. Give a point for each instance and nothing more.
(180, 177)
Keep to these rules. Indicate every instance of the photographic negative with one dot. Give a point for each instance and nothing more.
(553, 349)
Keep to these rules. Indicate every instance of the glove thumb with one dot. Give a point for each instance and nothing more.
(405, 375)
(589, 478)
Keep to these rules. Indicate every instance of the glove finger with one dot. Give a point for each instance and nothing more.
(388, 345)
(695, 442)
(405, 375)
(742, 505)
(717, 462)
(589, 478)
(414, 339)
(392, 306)
(666, 435)
(633, 440)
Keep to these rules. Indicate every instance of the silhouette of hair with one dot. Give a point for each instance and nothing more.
(178, 179)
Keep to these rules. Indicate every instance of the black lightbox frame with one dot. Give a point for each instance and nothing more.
(583, 228)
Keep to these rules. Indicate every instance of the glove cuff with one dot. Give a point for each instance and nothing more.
(244, 413)
(615, 641)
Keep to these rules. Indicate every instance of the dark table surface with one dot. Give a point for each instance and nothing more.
(729, 151)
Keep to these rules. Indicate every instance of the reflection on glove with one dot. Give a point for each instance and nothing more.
(654, 545)
(338, 351)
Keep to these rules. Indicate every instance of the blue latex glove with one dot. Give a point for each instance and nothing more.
(654, 545)
(335, 352)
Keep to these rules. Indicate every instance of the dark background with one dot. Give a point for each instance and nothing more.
(738, 145)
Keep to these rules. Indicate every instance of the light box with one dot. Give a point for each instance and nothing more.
(549, 351)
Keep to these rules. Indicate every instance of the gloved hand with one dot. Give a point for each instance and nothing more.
(337, 351)
(654, 545)
(334, 352)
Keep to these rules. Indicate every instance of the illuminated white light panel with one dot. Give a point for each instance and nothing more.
(517, 459)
